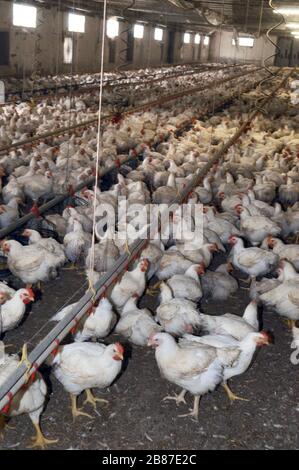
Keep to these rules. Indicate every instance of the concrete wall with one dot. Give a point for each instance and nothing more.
(41, 49)
(221, 48)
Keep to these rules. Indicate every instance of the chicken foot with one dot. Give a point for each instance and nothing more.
(193, 413)
(24, 360)
(39, 439)
(177, 398)
(77, 411)
(290, 323)
(231, 395)
(92, 399)
(72, 267)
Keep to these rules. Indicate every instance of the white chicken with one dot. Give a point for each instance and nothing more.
(176, 316)
(137, 325)
(12, 311)
(253, 261)
(28, 263)
(83, 366)
(195, 368)
(289, 252)
(51, 246)
(256, 228)
(188, 285)
(285, 298)
(132, 282)
(76, 243)
(244, 350)
(230, 324)
(99, 323)
(30, 399)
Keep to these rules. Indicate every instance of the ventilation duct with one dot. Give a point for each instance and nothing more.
(212, 17)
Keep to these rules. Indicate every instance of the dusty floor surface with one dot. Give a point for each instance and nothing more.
(136, 417)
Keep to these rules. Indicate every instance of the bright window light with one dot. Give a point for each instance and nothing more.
(244, 42)
(197, 39)
(112, 28)
(76, 23)
(206, 41)
(158, 34)
(292, 25)
(187, 38)
(24, 15)
(287, 11)
(295, 33)
(67, 50)
(296, 37)
(138, 31)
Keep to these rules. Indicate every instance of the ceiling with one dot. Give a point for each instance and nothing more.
(254, 16)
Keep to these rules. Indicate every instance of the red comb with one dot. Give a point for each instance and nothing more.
(120, 348)
(30, 292)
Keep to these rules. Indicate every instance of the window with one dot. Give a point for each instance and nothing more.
(187, 38)
(138, 31)
(68, 50)
(112, 28)
(158, 34)
(244, 42)
(76, 23)
(197, 39)
(24, 15)
(4, 48)
(206, 41)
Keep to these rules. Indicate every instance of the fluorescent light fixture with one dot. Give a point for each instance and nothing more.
(206, 41)
(138, 31)
(158, 34)
(76, 23)
(296, 37)
(244, 42)
(24, 15)
(295, 33)
(187, 38)
(197, 38)
(287, 11)
(112, 28)
(292, 25)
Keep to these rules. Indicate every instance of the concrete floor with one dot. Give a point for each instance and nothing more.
(136, 417)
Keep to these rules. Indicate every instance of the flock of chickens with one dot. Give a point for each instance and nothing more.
(251, 219)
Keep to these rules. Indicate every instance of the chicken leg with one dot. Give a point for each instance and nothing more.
(2, 426)
(75, 410)
(39, 439)
(72, 267)
(193, 413)
(92, 399)
(127, 249)
(24, 360)
(290, 323)
(231, 395)
(177, 398)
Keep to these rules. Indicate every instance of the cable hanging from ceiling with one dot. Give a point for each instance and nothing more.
(99, 148)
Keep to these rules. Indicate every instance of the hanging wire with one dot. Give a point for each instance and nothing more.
(276, 53)
(277, 48)
(59, 36)
(71, 102)
(99, 148)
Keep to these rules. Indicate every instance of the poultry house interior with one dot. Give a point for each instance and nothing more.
(149, 225)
